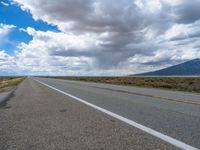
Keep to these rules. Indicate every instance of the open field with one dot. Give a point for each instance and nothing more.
(8, 82)
(189, 84)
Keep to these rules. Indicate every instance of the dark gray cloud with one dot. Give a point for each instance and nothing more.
(70, 53)
(188, 11)
(188, 36)
(122, 30)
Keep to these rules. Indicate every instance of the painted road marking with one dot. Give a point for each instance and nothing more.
(153, 96)
(155, 133)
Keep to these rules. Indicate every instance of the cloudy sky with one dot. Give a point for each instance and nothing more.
(96, 37)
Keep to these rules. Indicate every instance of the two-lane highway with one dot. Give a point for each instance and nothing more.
(166, 114)
(41, 116)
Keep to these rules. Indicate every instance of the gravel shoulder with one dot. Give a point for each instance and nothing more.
(6, 95)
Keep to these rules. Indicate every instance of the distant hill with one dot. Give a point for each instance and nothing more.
(189, 68)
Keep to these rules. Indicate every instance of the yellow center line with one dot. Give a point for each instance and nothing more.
(176, 100)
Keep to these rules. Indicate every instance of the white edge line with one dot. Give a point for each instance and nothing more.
(157, 134)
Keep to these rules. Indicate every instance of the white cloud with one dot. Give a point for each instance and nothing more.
(4, 3)
(4, 33)
(5, 29)
(58, 53)
(7, 63)
(109, 37)
(44, 53)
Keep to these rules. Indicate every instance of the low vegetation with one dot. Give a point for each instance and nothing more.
(9, 82)
(189, 84)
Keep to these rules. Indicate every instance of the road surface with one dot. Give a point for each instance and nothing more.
(41, 115)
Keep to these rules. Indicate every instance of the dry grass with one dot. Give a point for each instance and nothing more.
(189, 84)
(8, 82)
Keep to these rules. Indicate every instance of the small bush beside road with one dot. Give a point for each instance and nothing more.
(9, 82)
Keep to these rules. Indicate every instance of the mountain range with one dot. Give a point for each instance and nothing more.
(189, 68)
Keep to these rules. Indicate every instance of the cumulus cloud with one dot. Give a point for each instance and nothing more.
(50, 52)
(6, 60)
(110, 36)
(5, 30)
(7, 64)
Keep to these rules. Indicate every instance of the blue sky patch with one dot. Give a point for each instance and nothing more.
(12, 14)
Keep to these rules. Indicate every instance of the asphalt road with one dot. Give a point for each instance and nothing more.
(38, 117)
